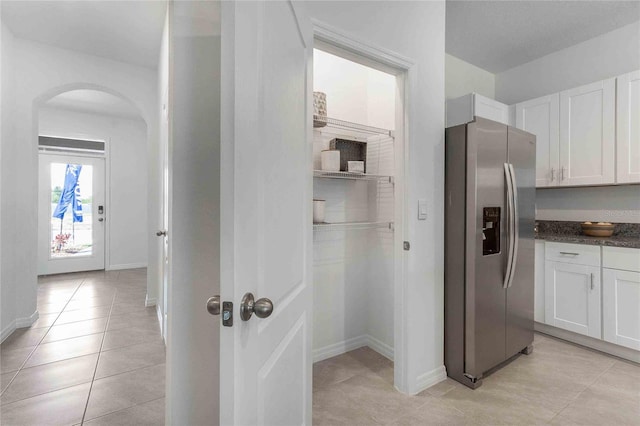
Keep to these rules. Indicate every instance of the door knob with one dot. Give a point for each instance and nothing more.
(161, 233)
(213, 305)
(261, 307)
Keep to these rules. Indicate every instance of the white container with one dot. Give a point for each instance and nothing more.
(318, 211)
(330, 160)
(355, 166)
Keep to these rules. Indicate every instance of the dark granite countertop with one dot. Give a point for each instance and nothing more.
(596, 241)
(625, 234)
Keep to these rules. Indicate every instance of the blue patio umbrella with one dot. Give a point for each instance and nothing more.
(70, 195)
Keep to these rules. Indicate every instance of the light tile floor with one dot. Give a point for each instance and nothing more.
(94, 356)
(558, 384)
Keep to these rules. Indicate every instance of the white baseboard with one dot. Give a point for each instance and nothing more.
(160, 321)
(150, 301)
(339, 348)
(7, 331)
(18, 323)
(27, 321)
(345, 346)
(380, 347)
(429, 379)
(589, 342)
(126, 266)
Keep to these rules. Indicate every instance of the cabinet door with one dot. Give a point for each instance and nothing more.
(538, 300)
(542, 118)
(587, 134)
(628, 126)
(490, 109)
(572, 297)
(621, 307)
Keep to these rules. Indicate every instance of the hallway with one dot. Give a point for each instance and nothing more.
(94, 356)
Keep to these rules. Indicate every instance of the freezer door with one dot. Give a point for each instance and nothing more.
(520, 293)
(485, 257)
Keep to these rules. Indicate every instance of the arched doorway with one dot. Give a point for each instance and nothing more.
(92, 206)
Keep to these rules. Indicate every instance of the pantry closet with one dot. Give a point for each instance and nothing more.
(355, 214)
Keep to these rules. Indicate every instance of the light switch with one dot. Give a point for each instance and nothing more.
(422, 209)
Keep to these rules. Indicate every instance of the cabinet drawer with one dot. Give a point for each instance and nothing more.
(627, 259)
(577, 254)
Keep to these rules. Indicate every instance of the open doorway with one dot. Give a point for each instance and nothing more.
(92, 208)
(358, 209)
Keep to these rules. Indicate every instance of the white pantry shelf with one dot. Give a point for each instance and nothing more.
(340, 226)
(351, 176)
(348, 125)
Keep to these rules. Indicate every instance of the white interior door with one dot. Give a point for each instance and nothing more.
(71, 214)
(266, 195)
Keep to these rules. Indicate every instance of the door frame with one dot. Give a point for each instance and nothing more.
(340, 43)
(107, 189)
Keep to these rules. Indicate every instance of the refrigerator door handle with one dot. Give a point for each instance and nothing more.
(516, 225)
(507, 273)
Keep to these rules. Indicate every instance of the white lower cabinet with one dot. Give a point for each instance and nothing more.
(538, 298)
(621, 307)
(572, 297)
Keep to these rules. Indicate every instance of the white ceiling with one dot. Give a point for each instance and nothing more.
(498, 35)
(125, 31)
(96, 102)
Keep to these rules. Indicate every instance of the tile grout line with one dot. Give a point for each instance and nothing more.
(124, 409)
(95, 371)
(41, 339)
(574, 399)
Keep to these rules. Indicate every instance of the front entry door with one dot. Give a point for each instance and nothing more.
(266, 220)
(71, 214)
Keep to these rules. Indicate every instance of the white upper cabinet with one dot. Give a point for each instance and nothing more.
(628, 126)
(541, 117)
(463, 109)
(587, 134)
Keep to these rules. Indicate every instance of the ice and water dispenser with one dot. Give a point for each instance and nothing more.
(490, 230)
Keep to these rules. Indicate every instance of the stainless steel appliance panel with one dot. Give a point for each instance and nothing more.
(454, 272)
(520, 293)
(485, 296)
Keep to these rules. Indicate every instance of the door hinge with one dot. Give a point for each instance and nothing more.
(406, 245)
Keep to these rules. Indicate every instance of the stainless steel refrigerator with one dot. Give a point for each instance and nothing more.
(489, 247)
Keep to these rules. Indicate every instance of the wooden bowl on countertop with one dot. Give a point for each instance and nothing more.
(599, 229)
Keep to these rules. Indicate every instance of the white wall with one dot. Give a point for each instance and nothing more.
(40, 72)
(619, 204)
(605, 56)
(419, 37)
(354, 92)
(462, 78)
(7, 188)
(127, 200)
